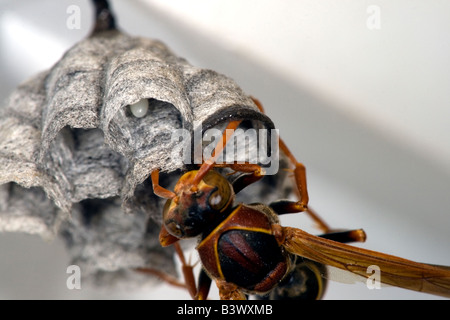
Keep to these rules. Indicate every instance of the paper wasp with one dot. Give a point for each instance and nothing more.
(245, 250)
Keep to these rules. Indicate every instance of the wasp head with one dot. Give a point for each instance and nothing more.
(197, 205)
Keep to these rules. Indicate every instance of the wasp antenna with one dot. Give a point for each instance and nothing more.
(206, 166)
(209, 164)
(104, 18)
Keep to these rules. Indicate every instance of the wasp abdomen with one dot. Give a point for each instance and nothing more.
(242, 250)
(251, 260)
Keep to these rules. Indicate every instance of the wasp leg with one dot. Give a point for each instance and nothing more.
(165, 238)
(163, 276)
(300, 180)
(157, 189)
(229, 291)
(357, 235)
(256, 172)
(287, 206)
(204, 281)
(204, 284)
(188, 275)
(188, 272)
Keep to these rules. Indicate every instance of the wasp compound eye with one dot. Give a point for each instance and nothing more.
(222, 195)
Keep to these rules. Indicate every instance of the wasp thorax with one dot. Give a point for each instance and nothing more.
(195, 208)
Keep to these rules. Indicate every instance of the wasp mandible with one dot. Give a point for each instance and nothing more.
(245, 250)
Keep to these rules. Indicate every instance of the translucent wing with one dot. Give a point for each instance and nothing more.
(394, 271)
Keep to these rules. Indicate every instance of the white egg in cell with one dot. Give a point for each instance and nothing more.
(140, 108)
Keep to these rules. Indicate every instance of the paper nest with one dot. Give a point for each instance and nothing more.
(75, 163)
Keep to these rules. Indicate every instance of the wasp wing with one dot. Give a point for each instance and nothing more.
(394, 271)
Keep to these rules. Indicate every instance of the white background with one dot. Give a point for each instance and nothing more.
(366, 110)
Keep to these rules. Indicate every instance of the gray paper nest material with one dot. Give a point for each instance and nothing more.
(73, 159)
